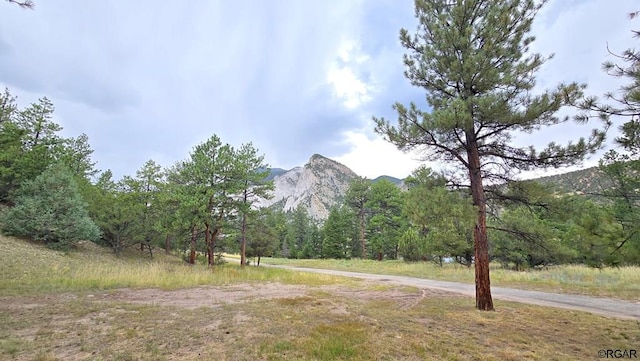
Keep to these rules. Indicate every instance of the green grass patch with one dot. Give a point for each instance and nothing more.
(339, 340)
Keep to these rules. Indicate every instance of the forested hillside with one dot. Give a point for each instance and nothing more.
(588, 181)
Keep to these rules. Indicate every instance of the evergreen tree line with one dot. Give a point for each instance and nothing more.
(471, 59)
(52, 192)
(530, 224)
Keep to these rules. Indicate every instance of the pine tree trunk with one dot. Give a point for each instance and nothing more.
(150, 249)
(243, 229)
(214, 238)
(483, 285)
(481, 242)
(362, 238)
(116, 249)
(192, 253)
(243, 241)
(207, 241)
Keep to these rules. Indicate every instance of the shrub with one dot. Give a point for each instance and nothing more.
(50, 209)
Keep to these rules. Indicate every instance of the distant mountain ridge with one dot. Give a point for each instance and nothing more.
(273, 172)
(584, 181)
(394, 180)
(322, 183)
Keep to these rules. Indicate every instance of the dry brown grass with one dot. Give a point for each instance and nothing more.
(312, 323)
(27, 267)
(78, 311)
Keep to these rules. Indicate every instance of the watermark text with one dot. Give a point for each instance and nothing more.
(618, 354)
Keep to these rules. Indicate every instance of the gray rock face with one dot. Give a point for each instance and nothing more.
(318, 185)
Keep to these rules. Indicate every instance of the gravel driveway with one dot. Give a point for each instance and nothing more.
(600, 306)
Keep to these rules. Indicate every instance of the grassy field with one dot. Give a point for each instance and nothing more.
(622, 282)
(29, 268)
(89, 305)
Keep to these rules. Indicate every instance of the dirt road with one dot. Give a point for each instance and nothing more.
(601, 306)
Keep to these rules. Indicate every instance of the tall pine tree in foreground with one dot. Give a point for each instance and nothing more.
(472, 59)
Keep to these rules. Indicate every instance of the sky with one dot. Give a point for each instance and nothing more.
(151, 79)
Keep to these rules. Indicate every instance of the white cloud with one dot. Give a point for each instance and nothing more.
(348, 87)
(578, 35)
(343, 78)
(346, 48)
(373, 157)
(153, 83)
(568, 30)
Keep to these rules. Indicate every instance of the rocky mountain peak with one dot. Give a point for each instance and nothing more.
(320, 164)
(318, 185)
(318, 158)
(322, 183)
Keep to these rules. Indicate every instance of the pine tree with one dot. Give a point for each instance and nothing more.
(445, 221)
(11, 144)
(472, 59)
(356, 197)
(29, 141)
(116, 209)
(145, 189)
(25, 4)
(622, 168)
(337, 235)
(209, 190)
(386, 222)
(261, 236)
(250, 173)
(50, 209)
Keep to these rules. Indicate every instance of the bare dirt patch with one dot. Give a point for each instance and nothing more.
(275, 321)
(405, 297)
(211, 296)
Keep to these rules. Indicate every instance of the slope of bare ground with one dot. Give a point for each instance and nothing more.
(192, 298)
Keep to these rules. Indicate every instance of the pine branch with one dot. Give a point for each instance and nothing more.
(25, 4)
